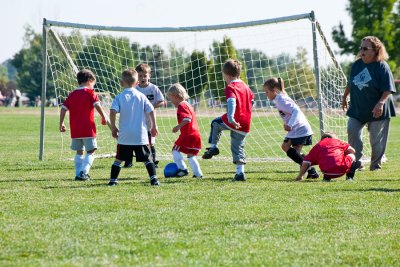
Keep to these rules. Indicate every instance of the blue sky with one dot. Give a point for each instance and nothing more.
(156, 13)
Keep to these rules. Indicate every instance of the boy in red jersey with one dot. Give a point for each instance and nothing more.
(239, 99)
(334, 157)
(81, 104)
(189, 141)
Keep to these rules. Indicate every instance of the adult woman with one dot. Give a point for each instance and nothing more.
(370, 87)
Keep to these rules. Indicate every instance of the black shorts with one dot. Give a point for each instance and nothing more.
(305, 140)
(125, 152)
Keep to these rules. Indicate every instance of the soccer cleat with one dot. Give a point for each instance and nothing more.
(326, 180)
(82, 177)
(211, 151)
(312, 173)
(198, 177)
(113, 183)
(128, 165)
(154, 182)
(182, 173)
(239, 177)
(349, 179)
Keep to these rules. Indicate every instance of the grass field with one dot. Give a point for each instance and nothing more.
(48, 219)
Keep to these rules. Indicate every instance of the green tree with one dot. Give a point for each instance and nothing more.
(28, 63)
(371, 17)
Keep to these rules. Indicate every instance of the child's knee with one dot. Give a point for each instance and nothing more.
(285, 146)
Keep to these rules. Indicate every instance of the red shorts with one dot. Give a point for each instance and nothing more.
(338, 170)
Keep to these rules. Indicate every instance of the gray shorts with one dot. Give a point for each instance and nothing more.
(87, 144)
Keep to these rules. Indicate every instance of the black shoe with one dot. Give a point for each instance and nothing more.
(114, 183)
(350, 179)
(326, 179)
(211, 151)
(182, 173)
(154, 182)
(128, 165)
(312, 173)
(198, 177)
(82, 177)
(239, 177)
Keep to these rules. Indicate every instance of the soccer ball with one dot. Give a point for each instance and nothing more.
(170, 170)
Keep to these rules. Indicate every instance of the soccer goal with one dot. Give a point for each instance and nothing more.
(292, 47)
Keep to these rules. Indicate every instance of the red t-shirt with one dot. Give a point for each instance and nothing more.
(80, 104)
(329, 155)
(189, 140)
(244, 104)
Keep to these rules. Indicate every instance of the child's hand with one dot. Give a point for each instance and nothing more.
(287, 128)
(153, 131)
(103, 121)
(236, 125)
(299, 178)
(62, 128)
(115, 132)
(175, 129)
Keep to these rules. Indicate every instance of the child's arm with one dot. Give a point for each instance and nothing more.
(114, 129)
(303, 169)
(153, 129)
(231, 113)
(180, 125)
(62, 117)
(104, 117)
(159, 104)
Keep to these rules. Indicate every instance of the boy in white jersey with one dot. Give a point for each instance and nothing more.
(156, 98)
(298, 129)
(132, 133)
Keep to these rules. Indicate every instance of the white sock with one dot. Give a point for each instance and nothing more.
(195, 166)
(178, 159)
(87, 163)
(78, 160)
(239, 168)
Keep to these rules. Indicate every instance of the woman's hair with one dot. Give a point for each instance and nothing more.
(378, 47)
(232, 67)
(275, 83)
(178, 90)
(328, 135)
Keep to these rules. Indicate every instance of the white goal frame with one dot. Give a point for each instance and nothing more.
(318, 40)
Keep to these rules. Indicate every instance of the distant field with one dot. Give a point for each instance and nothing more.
(48, 219)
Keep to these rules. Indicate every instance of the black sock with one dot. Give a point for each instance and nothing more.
(153, 153)
(151, 168)
(294, 155)
(354, 166)
(115, 169)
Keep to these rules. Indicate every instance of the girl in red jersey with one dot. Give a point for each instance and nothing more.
(189, 141)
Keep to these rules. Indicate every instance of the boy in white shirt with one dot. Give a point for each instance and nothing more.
(132, 133)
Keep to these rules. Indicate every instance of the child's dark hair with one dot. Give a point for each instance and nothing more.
(142, 67)
(232, 67)
(130, 76)
(328, 135)
(85, 75)
(275, 83)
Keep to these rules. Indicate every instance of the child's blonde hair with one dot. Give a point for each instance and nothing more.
(130, 76)
(178, 90)
(275, 83)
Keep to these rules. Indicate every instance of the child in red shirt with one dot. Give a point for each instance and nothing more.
(189, 141)
(334, 157)
(81, 104)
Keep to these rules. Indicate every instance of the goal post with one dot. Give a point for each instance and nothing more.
(292, 47)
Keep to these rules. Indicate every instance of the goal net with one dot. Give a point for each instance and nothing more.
(293, 48)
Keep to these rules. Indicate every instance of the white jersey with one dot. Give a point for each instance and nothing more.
(153, 94)
(132, 106)
(292, 116)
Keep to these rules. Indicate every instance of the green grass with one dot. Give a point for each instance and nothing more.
(47, 219)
